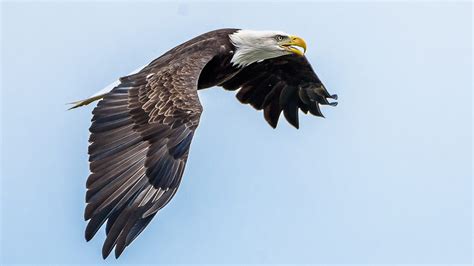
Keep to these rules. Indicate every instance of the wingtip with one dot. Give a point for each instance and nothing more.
(271, 122)
(104, 256)
(88, 235)
(119, 250)
(105, 252)
(294, 123)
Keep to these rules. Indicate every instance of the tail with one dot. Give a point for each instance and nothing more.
(86, 101)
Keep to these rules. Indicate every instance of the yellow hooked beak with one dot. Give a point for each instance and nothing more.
(295, 41)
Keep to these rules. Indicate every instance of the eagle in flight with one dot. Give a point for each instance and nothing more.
(144, 123)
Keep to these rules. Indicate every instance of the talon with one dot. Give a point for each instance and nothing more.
(333, 103)
(334, 96)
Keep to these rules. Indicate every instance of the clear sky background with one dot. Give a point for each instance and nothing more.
(385, 178)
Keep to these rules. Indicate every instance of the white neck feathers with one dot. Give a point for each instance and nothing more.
(254, 46)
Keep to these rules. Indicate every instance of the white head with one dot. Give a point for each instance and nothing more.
(256, 46)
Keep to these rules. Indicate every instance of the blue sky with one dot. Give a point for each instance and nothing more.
(385, 178)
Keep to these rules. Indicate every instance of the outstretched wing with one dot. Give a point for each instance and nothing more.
(283, 84)
(139, 143)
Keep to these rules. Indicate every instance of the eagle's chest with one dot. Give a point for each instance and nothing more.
(218, 70)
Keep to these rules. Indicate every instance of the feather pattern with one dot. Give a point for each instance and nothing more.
(140, 138)
(142, 129)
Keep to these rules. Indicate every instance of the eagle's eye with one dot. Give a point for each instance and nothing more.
(279, 38)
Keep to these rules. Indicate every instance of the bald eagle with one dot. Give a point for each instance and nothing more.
(144, 123)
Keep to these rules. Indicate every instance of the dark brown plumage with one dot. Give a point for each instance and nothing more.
(142, 130)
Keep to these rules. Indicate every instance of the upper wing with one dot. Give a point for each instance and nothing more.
(285, 84)
(139, 143)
